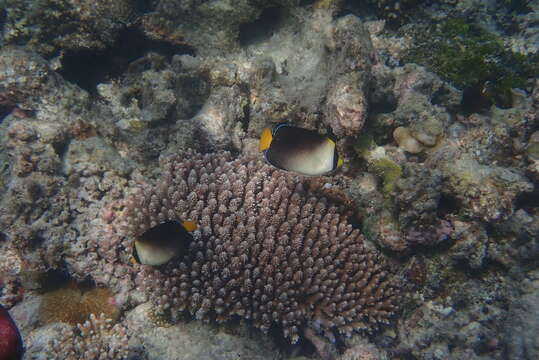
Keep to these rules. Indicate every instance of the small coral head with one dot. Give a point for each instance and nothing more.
(267, 250)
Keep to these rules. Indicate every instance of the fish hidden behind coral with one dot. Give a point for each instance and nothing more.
(161, 243)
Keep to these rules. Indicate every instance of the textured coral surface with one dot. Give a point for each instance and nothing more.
(266, 250)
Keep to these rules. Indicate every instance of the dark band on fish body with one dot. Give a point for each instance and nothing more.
(167, 229)
(135, 255)
(335, 158)
(165, 233)
(289, 141)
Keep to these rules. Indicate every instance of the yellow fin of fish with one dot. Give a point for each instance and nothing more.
(265, 140)
(189, 225)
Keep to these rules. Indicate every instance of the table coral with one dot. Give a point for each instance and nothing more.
(266, 250)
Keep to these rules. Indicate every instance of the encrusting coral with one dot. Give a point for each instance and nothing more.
(266, 250)
(95, 339)
(74, 303)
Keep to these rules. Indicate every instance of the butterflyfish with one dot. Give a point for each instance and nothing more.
(163, 242)
(299, 150)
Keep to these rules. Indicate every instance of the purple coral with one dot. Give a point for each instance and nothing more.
(266, 250)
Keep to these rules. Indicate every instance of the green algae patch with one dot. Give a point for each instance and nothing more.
(382, 167)
(364, 144)
(326, 4)
(533, 151)
(388, 171)
(468, 56)
(136, 126)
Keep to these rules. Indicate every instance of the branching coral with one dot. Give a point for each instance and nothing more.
(266, 250)
(96, 339)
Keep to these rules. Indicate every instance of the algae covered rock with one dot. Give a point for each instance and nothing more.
(349, 91)
(523, 326)
(486, 192)
(197, 341)
(403, 137)
(52, 25)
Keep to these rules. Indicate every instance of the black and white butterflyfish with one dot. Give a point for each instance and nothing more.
(299, 150)
(163, 242)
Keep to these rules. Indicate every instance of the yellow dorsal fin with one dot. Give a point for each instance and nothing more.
(265, 140)
(189, 225)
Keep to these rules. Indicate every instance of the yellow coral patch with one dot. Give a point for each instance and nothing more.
(74, 303)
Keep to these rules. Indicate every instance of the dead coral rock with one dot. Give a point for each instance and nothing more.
(427, 129)
(10, 286)
(383, 229)
(28, 81)
(426, 122)
(22, 76)
(20, 131)
(84, 25)
(417, 199)
(523, 327)
(38, 341)
(213, 28)
(486, 192)
(219, 118)
(351, 66)
(91, 157)
(418, 101)
(516, 240)
(266, 250)
(403, 137)
(471, 243)
(454, 326)
(413, 82)
(34, 216)
(532, 153)
(195, 339)
(347, 106)
(411, 219)
(351, 42)
(152, 92)
(363, 350)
